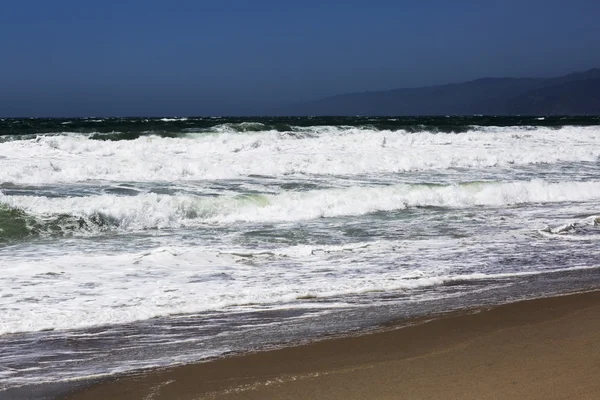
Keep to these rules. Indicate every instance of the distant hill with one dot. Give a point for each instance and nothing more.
(577, 93)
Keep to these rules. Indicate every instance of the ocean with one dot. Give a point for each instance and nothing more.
(133, 243)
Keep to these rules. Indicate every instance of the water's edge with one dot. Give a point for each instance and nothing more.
(357, 322)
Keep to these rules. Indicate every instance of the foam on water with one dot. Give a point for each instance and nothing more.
(585, 229)
(173, 119)
(150, 210)
(58, 291)
(325, 150)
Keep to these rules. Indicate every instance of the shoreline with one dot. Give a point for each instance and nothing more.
(541, 348)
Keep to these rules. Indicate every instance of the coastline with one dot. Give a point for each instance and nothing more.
(541, 348)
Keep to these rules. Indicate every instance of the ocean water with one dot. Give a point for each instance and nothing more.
(130, 243)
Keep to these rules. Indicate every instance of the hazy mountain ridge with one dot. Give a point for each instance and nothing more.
(576, 93)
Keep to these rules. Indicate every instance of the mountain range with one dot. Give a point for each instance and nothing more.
(573, 94)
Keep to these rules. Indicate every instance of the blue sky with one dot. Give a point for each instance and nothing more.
(67, 57)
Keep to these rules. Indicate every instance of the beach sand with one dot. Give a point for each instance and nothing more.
(537, 349)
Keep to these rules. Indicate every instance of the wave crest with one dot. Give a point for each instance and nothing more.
(325, 151)
(38, 215)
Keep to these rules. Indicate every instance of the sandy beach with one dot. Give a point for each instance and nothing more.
(537, 349)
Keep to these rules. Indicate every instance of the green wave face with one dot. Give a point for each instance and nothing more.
(16, 224)
(13, 224)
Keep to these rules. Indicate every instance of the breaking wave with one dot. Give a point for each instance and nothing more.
(454, 124)
(31, 215)
(311, 151)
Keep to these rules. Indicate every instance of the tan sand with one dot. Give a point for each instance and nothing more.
(538, 349)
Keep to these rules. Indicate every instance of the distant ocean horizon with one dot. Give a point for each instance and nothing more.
(133, 243)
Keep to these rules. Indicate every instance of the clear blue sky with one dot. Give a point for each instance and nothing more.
(182, 57)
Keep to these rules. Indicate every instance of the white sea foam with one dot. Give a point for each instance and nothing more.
(173, 119)
(76, 290)
(152, 210)
(585, 229)
(322, 151)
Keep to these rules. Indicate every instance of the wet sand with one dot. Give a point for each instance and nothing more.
(537, 349)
